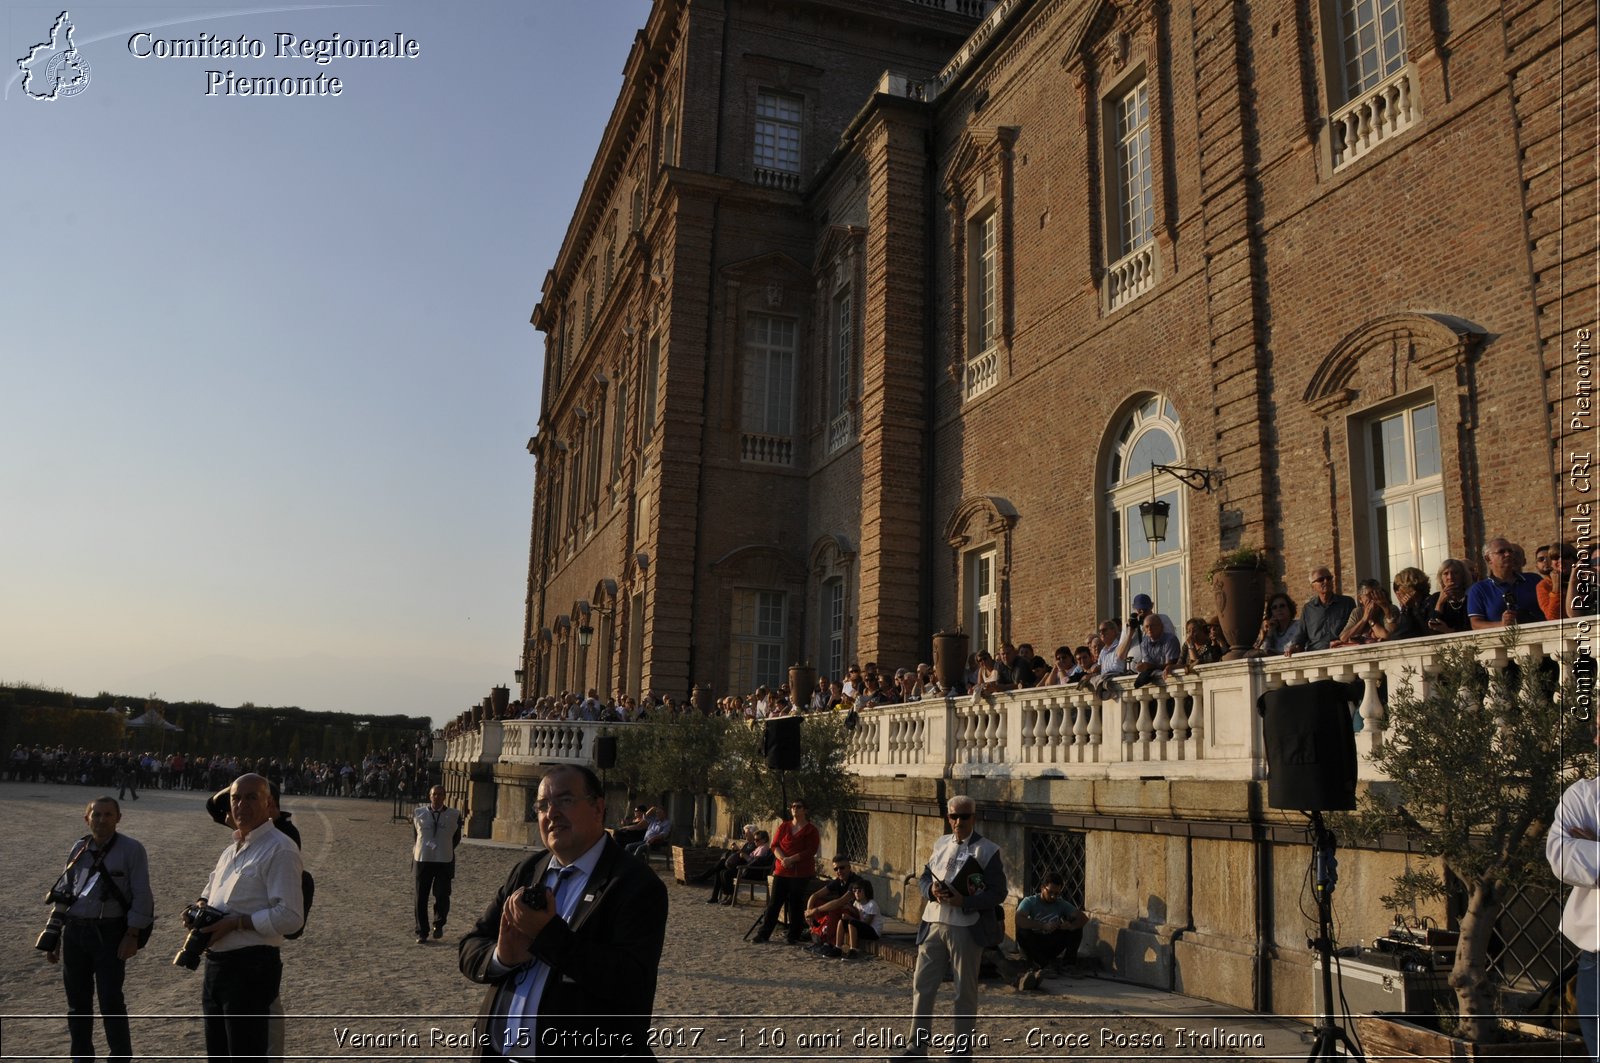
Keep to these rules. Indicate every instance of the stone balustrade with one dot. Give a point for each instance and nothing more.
(1131, 276)
(1381, 112)
(1202, 725)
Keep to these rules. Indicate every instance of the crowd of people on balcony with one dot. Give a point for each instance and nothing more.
(1146, 648)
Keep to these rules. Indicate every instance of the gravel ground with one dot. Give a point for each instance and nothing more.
(359, 970)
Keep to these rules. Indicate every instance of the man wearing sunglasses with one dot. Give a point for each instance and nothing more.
(963, 882)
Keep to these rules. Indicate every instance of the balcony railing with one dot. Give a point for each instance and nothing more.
(982, 373)
(1202, 725)
(1131, 276)
(758, 448)
(1381, 112)
(784, 180)
(841, 430)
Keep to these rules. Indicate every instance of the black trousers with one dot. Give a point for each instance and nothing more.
(788, 893)
(89, 964)
(1041, 949)
(433, 877)
(239, 987)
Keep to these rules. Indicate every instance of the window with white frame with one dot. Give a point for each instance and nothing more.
(1372, 43)
(833, 628)
(842, 387)
(1405, 491)
(1130, 189)
(1148, 436)
(777, 133)
(983, 599)
(984, 294)
(756, 656)
(1372, 94)
(769, 375)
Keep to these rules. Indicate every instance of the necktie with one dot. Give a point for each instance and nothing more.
(530, 975)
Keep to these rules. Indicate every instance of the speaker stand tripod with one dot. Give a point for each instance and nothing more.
(1329, 1035)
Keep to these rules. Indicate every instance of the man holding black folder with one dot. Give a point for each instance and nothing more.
(963, 882)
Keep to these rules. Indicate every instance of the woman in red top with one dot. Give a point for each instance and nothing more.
(795, 846)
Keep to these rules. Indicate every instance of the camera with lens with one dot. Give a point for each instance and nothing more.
(534, 897)
(1508, 600)
(197, 917)
(59, 901)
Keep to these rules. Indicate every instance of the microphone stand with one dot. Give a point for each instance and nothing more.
(1325, 875)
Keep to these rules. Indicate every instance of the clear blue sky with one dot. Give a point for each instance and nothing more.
(267, 375)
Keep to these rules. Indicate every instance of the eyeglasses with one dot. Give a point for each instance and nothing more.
(959, 815)
(1321, 579)
(559, 803)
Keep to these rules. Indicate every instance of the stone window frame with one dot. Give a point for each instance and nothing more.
(979, 524)
(1128, 274)
(833, 562)
(1375, 365)
(978, 182)
(780, 176)
(840, 269)
(1113, 497)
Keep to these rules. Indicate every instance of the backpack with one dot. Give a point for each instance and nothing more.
(308, 891)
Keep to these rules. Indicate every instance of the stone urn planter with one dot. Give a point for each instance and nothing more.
(802, 684)
(1240, 582)
(1390, 1036)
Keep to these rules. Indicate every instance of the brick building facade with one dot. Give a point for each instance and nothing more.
(874, 314)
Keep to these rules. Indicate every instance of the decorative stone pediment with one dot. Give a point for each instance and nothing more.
(978, 515)
(1431, 343)
(983, 153)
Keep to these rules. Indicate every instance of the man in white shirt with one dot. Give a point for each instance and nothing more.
(256, 885)
(964, 881)
(433, 857)
(1573, 850)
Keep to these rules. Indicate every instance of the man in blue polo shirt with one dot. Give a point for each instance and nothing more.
(1509, 595)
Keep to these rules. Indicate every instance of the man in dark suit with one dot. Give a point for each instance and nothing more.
(574, 976)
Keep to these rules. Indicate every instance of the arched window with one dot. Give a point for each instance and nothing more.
(1148, 436)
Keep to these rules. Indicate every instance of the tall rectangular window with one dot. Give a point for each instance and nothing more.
(597, 429)
(983, 297)
(843, 351)
(1372, 42)
(619, 429)
(756, 657)
(983, 600)
(769, 375)
(833, 628)
(1135, 187)
(777, 133)
(1406, 497)
(647, 403)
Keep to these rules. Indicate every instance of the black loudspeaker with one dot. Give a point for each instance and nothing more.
(605, 752)
(780, 741)
(1311, 745)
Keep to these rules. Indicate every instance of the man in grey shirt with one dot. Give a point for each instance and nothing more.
(1324, 616)
(108, 878)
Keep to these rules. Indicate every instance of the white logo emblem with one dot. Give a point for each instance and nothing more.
(55, 69)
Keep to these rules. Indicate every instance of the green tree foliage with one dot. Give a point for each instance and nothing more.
(695, 754)
(1478, 761)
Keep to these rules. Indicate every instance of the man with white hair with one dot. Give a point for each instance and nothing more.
(1509, 595)
(963, 881)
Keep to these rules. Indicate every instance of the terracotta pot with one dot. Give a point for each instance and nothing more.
(1241, 596)
(950, 658)
(1388, 1036)
(802, 684)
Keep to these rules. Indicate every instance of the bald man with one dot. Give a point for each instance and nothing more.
(256, 885)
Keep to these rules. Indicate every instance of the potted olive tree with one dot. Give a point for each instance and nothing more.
(1239, 579)
(1478, 757)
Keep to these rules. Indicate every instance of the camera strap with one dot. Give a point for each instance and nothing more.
(111, 887)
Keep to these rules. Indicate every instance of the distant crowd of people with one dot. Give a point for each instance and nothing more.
(381, 774)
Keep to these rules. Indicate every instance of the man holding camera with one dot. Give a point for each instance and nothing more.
(963, 882)
(252, 900)
(105, 891)
(570, 945)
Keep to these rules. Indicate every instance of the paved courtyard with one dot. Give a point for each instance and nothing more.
(357, 986)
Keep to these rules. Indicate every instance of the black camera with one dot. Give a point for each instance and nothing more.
(60, 901)
(1133, 621)
(50, 936)
(197, 917)
(534, 897)
(1509, 600)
